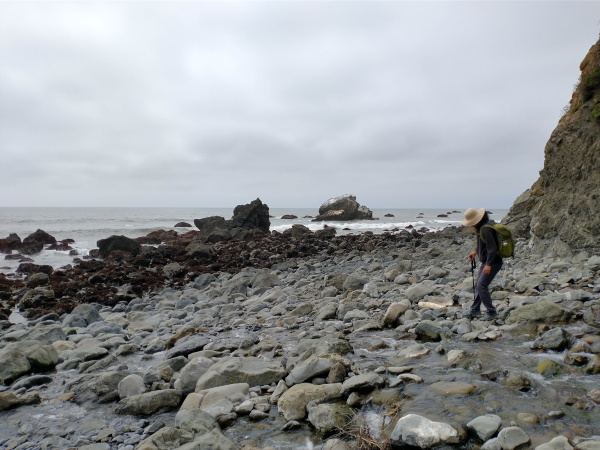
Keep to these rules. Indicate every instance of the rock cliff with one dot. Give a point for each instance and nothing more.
(560, 213)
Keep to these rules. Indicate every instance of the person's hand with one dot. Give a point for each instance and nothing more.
(472, 255)
(487, 270)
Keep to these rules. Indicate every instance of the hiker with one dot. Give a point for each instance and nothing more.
(491, 263)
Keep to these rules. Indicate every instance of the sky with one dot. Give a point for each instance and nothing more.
(403, 104)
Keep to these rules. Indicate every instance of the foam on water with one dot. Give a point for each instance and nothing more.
(88, 225)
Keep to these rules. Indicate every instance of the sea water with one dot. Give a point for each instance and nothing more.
(88, 225)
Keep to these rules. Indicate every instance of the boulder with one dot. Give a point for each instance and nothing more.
(254, 215)
(149, 402)
(343, 208)
(556, 339)
(365, 382)
(558, 443)
(34, 243)
(98, 387)
(191, 373)
(292, 403)
(12, 242)
(14, 364)
(121, 243)
(198, 430)
(199, 250)
(9, 399)
(417, 431)
(131, 385)
(82, 316)
(328, 419)
(484, 427)
(528, 316)
(230, 370)
(394, 311)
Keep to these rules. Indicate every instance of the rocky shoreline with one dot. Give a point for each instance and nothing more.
(292, 340)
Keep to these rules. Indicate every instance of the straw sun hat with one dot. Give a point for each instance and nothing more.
(473, 216)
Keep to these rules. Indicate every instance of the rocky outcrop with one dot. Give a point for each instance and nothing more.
(343, 208)
(252, 217)
(559, 213)
(120, 243)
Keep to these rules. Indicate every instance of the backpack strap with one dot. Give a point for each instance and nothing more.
(481, 234)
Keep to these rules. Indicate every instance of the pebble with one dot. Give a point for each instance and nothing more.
(357, 308)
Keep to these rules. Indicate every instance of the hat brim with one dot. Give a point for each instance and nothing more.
(476, 219)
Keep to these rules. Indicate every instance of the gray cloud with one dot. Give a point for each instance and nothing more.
(403, 104)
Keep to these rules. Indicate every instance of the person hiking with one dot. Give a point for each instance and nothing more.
(491, 263)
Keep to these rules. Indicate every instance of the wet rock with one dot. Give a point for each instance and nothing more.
(556, 339)
(253, 371)
(98, 387)
(191, 373)
(82, 316)
(328, 418)
(417, 431)
(198, 430)
(131, 385)
(118, 243)
(37, 279)
(362, 383)
(510, 438)
(558, 443)
(149, 402)
(14, 364)
(452, 388)
(292, 403)
(11, 400)
(484, 427)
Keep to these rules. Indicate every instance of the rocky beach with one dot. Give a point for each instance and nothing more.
(229, 335)
(232, 337)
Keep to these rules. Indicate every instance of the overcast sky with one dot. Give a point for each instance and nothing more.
(213, 104)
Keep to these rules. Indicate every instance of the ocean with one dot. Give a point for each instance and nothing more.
(87, 225)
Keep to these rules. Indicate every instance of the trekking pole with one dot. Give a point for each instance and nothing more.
(473, 265)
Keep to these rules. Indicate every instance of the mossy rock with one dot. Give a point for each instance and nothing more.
(549, 369)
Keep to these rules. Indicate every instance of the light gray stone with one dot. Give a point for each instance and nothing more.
(418, 431)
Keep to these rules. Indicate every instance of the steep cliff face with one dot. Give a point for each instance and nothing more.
(560, 213)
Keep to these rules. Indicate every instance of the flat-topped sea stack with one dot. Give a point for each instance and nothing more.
(343, 208)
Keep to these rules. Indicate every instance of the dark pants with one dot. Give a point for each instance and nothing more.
(482, 292)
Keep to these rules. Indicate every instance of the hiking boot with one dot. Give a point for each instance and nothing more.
(491, 316)
(474, 315)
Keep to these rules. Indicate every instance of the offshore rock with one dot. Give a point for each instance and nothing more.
(343, 208)
(253, 216)
(558, 214)
(122, 243)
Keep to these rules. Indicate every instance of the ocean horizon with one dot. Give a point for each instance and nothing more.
(87, 225)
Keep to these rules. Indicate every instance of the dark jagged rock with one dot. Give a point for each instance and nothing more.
(207, 224)
(34, 243)
(254, 215)
(118, 243)
(12, 242)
